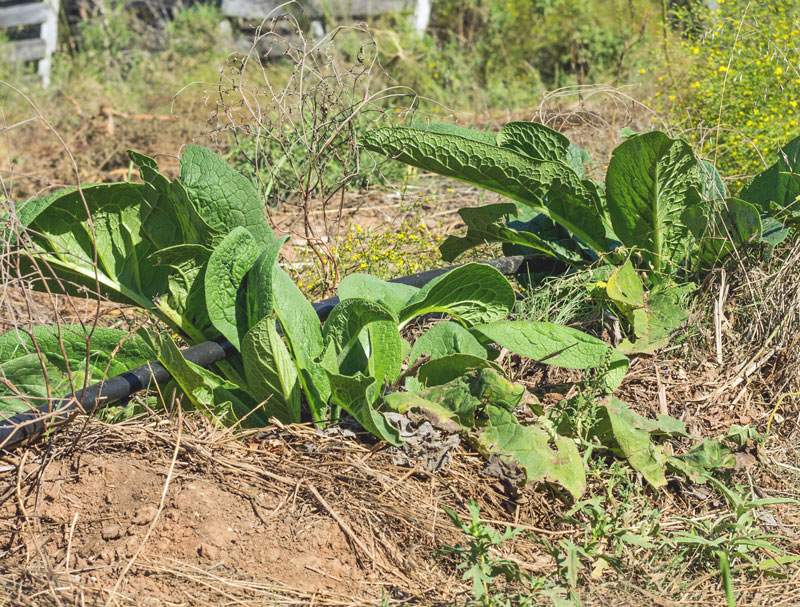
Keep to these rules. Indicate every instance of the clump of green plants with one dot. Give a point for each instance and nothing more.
(659, 216)
(739, 89)
(198, 253)
(734, 537)
(475, 559)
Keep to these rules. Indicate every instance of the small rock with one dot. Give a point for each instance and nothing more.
(145, 515)
(111, 531)
(131, 545)
(207, 551)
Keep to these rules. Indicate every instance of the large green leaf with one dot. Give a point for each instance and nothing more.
(186, 298)
(529, 447)
(550, 187)
(444, 369)
(261, 286)
(223, 197)
(779, 185)
(651, 180)
(391, 294)
(534, 140)
(301, 328)
(486, 224)
(167, 216)
(39, 364)
(365, 338)
(226, 295)
(270, 372)
(557, 345)
(453, 129)
(628, 435)
(357, 395)
(64, 245)
(473, 293)
(443, 339)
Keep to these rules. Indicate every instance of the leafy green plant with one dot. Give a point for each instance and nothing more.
(478, 564)
(734, 536)
(659, 214)
(198, 253)
(739, 83)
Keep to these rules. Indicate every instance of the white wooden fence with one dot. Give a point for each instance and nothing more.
(43, 14)
(316, 10)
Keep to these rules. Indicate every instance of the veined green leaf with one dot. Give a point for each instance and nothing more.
(365, 339)
(534, 140)
(301, 328)
(651, 180)
(168, 217)
(557, 345)
(443, 339)
(472, 293)
(529, 447)
(261, 287)
(357, 394)
(550, 187)
(270, 372)
(226, 296)
(391, 294)
(65, 244)
(186, 298)
(439, 371)
(223, 197)
(87, 354)
(453, 129)
(779, 185)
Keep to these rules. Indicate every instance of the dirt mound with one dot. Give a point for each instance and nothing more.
(140, 515)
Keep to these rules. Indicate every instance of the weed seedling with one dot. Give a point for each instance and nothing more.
(479, 565)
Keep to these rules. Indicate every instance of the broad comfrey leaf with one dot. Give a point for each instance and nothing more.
(550, 187)
(270, 372)
(472, 293)
(557, 345)
(39, 364)
(223, 197)
(651, 180)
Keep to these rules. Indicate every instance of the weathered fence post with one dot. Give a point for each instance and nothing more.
(49, 34)
(43, 13)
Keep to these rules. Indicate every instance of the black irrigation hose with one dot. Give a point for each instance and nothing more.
(29, 426)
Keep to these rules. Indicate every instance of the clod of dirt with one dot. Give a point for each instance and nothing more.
(111, 531)
(207, 551)
(145, 515)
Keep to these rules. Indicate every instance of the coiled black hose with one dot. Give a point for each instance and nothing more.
(24, 428)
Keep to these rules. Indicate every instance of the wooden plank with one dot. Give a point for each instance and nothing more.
(49, 35)
(259, 9)
(28, 50)
(24, 14)
(250, 9)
